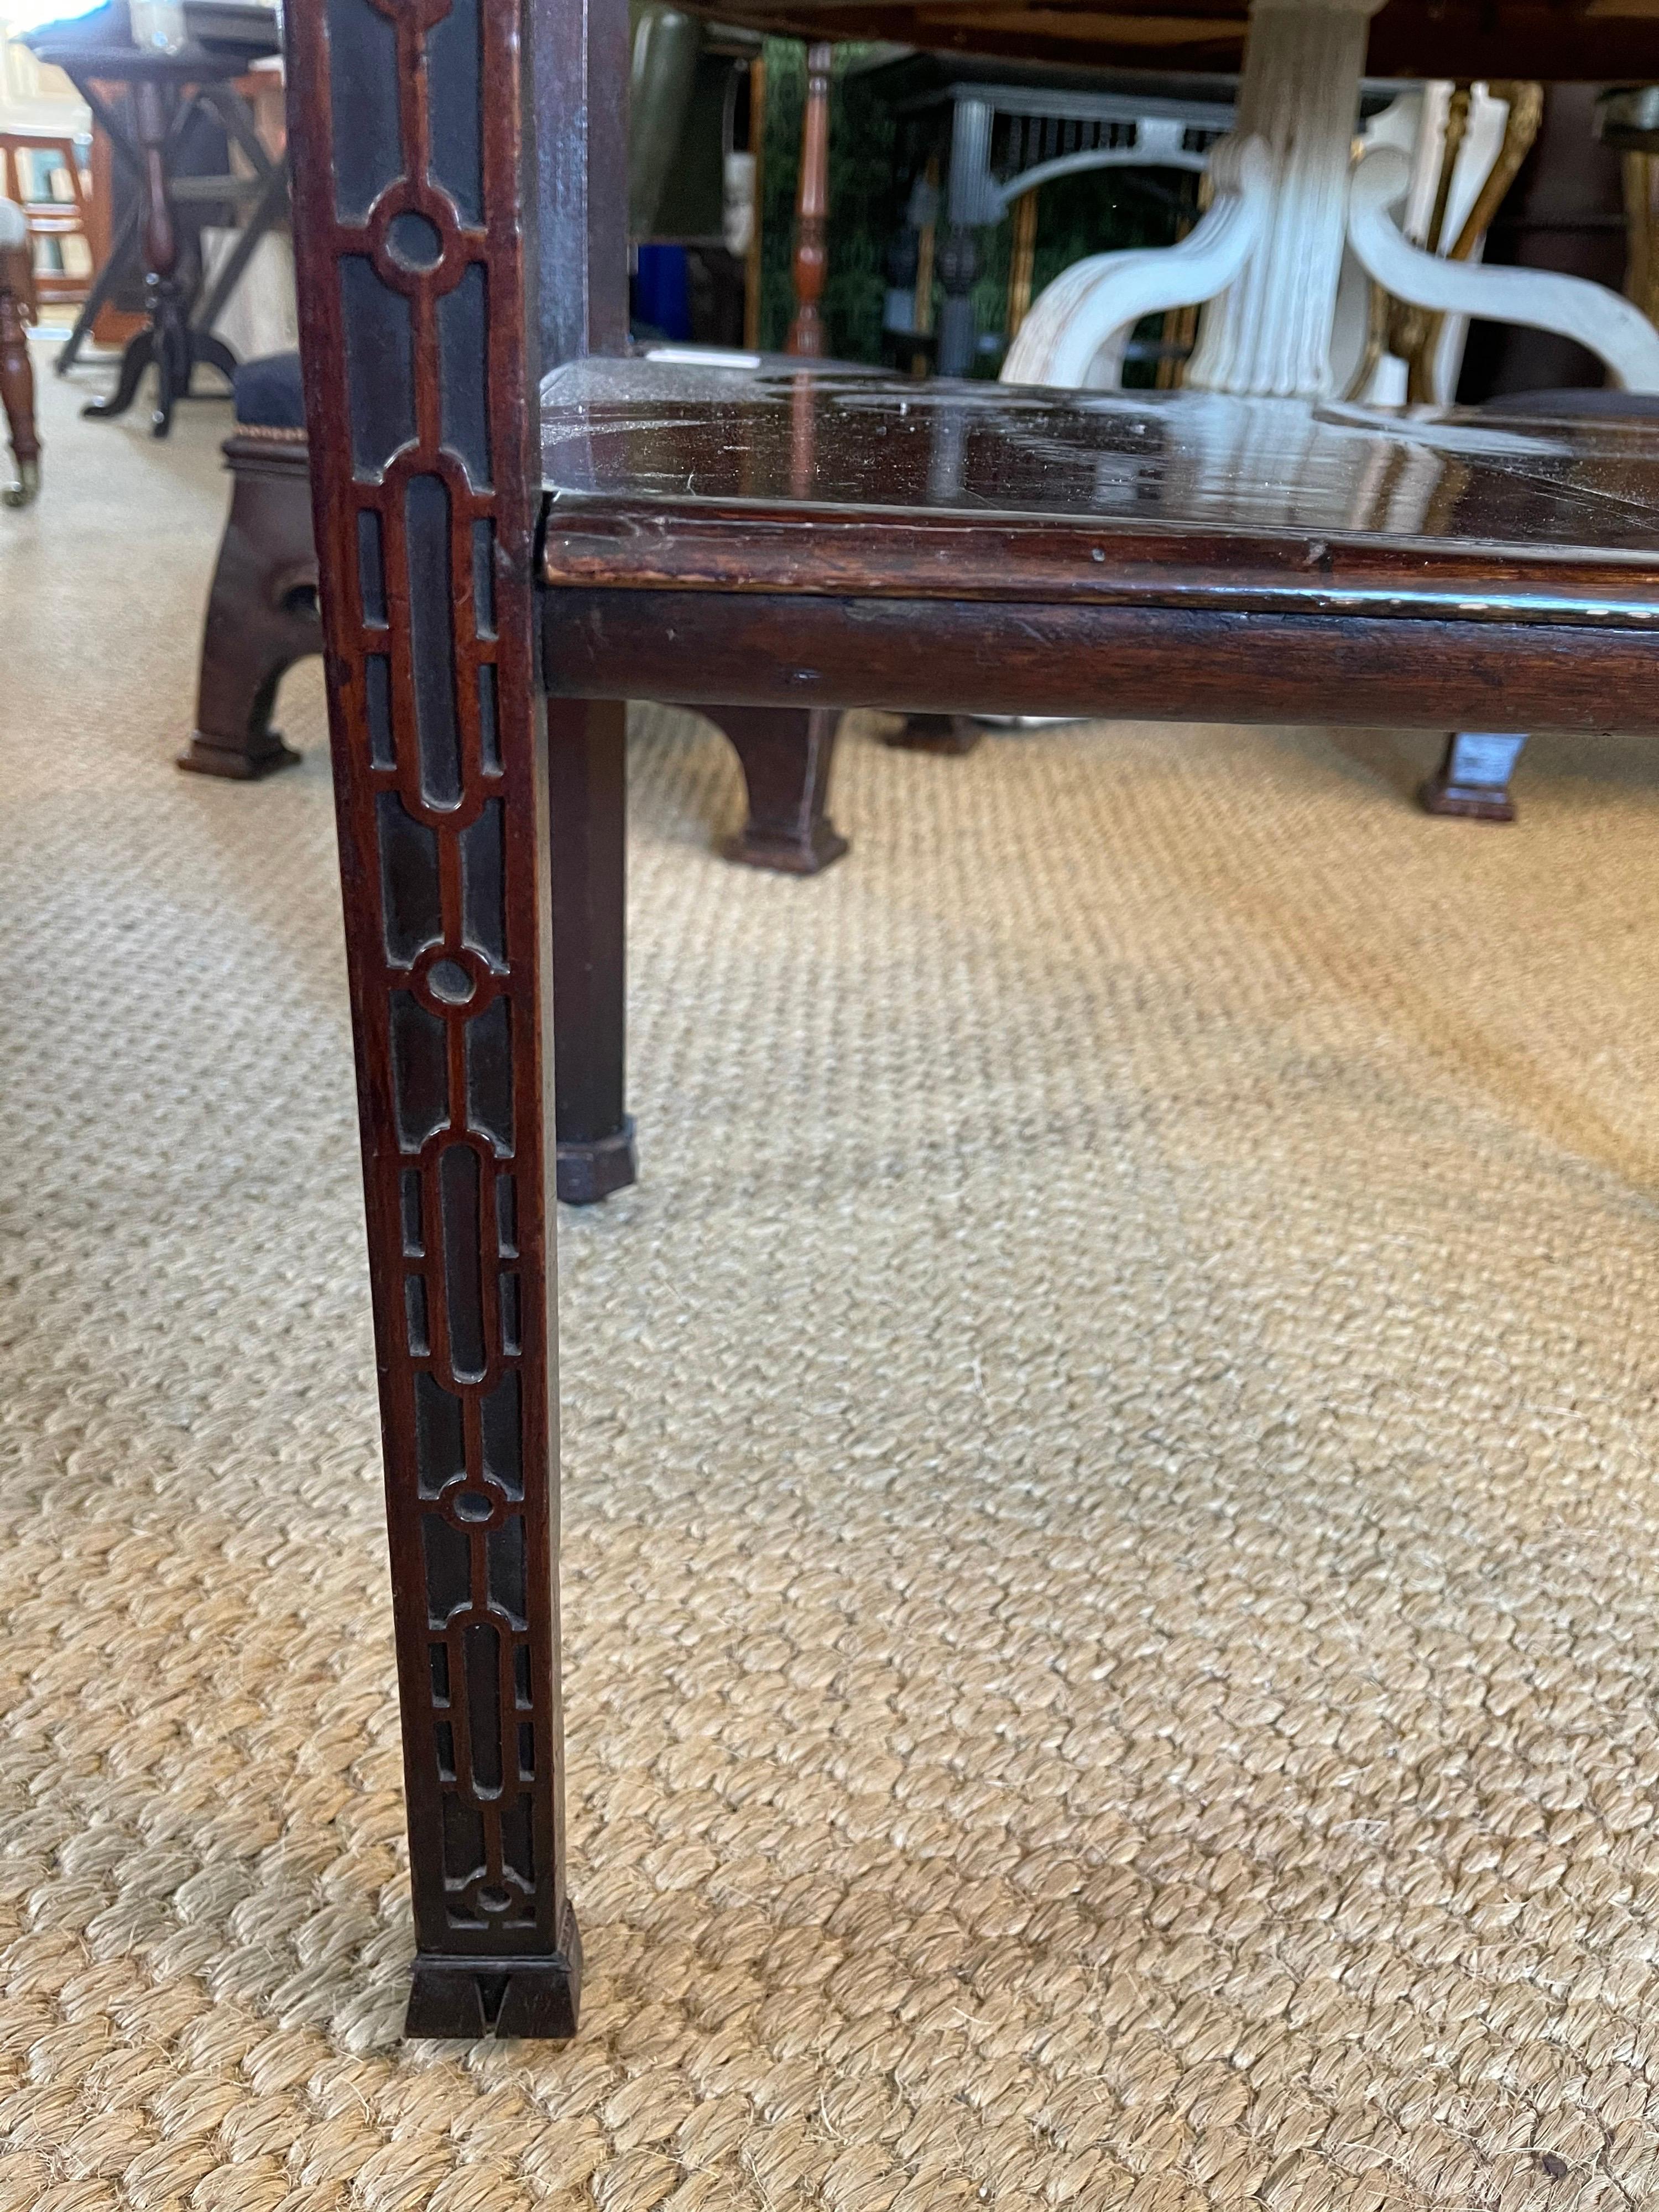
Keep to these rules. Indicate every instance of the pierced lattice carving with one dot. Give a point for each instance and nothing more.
(428, 484)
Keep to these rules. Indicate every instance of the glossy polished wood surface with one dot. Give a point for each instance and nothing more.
(1587, 40)
(670, 475)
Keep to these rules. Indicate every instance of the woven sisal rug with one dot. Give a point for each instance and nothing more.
(1112, 1552)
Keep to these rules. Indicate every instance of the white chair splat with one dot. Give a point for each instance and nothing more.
(1076, 331)
(1609, 326)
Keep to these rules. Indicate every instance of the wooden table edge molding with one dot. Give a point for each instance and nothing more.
(1094, 563)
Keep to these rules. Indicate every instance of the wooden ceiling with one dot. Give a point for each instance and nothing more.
(1597, 41)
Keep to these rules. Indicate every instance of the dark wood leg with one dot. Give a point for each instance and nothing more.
(1472, 780)
(786, 753)
(209, 352)
(261, 618)
(587, 775)
(102, 285)
(425, 542)
(134, 360)
(17, 395)
(954, 734)
(170, 351)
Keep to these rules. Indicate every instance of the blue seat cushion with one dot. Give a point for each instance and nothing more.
(268, 393)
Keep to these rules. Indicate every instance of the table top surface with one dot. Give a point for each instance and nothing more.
(664, 472)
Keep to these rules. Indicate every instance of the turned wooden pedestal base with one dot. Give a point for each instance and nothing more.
(174, 350)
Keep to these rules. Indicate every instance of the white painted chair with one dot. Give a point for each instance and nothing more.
(1603, 322)
(1078, 326)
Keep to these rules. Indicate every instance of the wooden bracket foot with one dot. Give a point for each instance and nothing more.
(242, 764)
(786, 855)
(1472, 780)
(589, 1172)
(786, 754)
(536, 1999)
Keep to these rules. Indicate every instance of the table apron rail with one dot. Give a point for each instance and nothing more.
(1141, 664)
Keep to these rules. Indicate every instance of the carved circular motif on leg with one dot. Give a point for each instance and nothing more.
(416, 241)
(472, 1502)
(506, 1899)
(452, 978)
(448, 981)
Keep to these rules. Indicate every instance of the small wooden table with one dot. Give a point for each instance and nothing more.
(168, 89)
(792, 537)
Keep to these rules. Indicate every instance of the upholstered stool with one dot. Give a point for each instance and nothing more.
(262, 611)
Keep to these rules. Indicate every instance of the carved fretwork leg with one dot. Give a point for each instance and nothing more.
(404, 130)
(1474, 779)
(786, 753)
(588, 781)
(261, 616)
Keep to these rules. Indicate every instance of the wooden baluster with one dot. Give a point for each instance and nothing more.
(812, 264)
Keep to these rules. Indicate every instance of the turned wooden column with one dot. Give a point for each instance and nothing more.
(812, 264)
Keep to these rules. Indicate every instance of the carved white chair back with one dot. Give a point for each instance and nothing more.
(1076, 331)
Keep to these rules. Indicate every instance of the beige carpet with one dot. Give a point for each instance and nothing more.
(1113, 1553)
